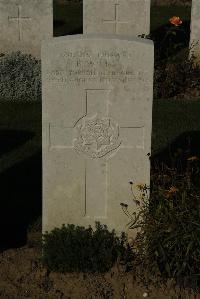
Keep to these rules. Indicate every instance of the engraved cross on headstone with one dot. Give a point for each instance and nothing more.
(19, 20)
(116, 20)
(95, 126)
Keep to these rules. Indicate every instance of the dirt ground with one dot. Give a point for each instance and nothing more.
(22, 275)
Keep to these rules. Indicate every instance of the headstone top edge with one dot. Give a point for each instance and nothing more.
(100, 36)
(148, 1)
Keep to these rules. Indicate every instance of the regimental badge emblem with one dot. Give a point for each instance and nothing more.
(96, 136)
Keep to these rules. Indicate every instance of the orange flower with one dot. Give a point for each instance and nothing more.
(171, 191)
(176, 21)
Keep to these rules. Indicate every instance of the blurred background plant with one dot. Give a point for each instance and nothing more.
(170, 39)
(20, 77)
(176, 73)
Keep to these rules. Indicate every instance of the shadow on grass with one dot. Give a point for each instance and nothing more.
(11, 139)
(179, 150)
(78, 30)
(62, 30)
(58, 23)
(21, 193)
(21, 187)
(68, 18)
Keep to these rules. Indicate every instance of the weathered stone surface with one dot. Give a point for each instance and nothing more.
(195, 29)
(97, 114)
(125, 17)
(24, 24)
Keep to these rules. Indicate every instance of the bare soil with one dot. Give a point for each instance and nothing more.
(22, 275)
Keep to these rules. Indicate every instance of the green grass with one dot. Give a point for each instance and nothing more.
(171, 118)
(20, 170)
(20, 117)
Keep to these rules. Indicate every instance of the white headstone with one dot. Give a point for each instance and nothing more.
(125, 17)
(97, 114)
(195, 29)
(24, 24)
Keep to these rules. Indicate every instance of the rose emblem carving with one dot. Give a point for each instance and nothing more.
(96, 136)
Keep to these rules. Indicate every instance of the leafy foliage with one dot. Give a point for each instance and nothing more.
(20, 77)
(169, 40)
(74, 248)
(169, 240)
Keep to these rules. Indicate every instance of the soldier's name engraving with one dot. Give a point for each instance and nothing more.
(86, 66)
